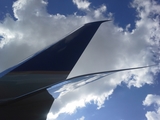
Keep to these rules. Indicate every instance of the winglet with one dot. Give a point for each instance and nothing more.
(47, 67)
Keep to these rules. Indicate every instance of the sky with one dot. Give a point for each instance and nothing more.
(131, 39)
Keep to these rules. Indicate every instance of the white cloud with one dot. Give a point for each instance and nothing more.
(33, 30)
(151, 99)
(99, 11)
(82, 96)
(82, 118)
(112, 47)
(155, 100)
(82, 4)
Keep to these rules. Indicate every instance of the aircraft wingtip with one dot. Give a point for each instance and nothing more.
(99, 21)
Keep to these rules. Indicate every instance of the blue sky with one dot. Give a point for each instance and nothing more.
(131, 39)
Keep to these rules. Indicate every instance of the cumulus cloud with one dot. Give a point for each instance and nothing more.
(82, 118)
(71, 88)
(33, 30)
(112, 47)
(155, 100)
(82, 4)
(99, 11)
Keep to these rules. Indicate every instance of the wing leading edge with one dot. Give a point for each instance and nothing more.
(47, 67)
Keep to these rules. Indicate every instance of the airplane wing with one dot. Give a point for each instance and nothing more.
(47, 67)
